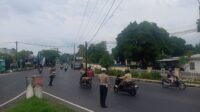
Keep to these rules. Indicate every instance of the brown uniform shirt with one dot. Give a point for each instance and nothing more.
(104, 79)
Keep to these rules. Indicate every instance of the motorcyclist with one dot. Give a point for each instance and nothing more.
(66, 67)
(126, 78)
(90, 72)
(170, 76)
(40, 68)
(61, 66)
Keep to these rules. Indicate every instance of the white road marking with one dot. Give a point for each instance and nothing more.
(83, 108)
(13, 99)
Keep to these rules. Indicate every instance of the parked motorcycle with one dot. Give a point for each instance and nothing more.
(86, 82)
(130, 87)
(177, 83)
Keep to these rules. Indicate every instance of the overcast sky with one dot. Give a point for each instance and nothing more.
(63, 22)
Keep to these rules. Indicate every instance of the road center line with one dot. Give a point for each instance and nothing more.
(12, 99)
(83, 108)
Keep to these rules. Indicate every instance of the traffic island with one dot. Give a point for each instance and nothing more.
(35, 104)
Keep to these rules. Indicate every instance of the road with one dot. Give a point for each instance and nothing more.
(150, 98)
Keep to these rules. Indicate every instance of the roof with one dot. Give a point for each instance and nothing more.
(169, 59)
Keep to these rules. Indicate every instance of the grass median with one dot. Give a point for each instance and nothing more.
(38, 105)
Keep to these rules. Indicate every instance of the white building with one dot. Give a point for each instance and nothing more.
(194, 64)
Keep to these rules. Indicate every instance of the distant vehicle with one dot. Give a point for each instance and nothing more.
(77, 65)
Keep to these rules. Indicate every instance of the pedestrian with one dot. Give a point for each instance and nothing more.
(52, 74)
(104, 85)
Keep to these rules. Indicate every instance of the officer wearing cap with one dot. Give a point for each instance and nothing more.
(104, 84)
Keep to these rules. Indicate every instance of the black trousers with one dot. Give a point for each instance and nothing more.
(51, 80)
(103, 95)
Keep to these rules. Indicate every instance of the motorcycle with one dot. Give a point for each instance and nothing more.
(86, 82)
(177, 83)
(130, 87)
(40, 70)
(61, 67)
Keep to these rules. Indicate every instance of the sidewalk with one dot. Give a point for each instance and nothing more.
(157, 81)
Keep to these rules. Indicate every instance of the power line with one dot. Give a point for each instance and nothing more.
(88, 22)
(101, 25)
(112, 14)
(98, 18)
(82, 20)
(43, 45)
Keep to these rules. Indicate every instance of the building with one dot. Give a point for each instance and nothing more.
(193, 64)
(8, 51)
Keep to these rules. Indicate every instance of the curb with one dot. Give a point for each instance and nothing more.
(157, 81)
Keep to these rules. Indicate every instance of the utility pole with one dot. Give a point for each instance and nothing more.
(16, 53)
(199, 8)
(86, 45)
(74, 54)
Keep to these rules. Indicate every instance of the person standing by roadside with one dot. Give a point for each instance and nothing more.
(104, 85)
(52, 72)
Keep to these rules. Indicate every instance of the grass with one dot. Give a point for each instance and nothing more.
(38, 105)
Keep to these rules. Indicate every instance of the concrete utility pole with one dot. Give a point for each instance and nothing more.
(199, 8)
(86, 45)
(16, 53)
(74, 52)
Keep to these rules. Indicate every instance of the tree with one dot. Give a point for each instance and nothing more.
(198, 25)
(106, 61)
(65, 58)
(8, 59)
(81, 51)
(146, 42)
(24, 54)
(96, 51)
(50, 56)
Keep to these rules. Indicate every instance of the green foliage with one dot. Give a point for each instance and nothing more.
(81, 51)
(106, 61)
(65, 58)
(96, 51)
(145, 42)
(97, 71)
(38, 105)
(145, 75)
(8, 59)
(198, 25)
(135, 74)
(50, 55)
(113, 72)
(24, 54)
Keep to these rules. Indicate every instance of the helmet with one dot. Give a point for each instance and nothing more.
(103, 69)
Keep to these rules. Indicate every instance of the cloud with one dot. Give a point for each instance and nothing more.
(57, 21)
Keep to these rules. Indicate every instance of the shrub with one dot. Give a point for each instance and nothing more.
(156, 76)
(145, 75)
(97, 71)
(114, 72)
(135, 74)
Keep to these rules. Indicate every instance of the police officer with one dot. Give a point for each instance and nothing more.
(104, 84)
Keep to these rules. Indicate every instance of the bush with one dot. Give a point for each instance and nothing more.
(145, 75)
(156, 76)
(135, 74)
(114, 72)
(97, 71)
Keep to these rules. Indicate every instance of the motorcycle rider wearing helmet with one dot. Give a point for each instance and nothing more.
(126, 78)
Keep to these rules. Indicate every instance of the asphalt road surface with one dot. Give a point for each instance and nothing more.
(150, 98)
